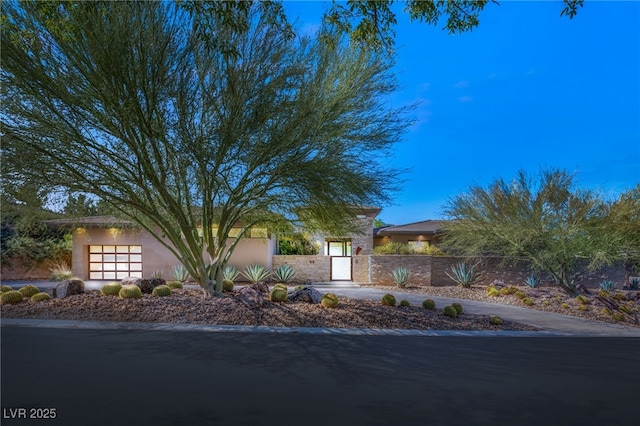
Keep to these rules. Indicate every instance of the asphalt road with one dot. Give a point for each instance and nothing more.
(124, 377)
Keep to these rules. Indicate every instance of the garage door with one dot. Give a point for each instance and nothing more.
(114, 262)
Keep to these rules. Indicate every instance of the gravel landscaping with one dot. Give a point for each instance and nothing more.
(188, 306)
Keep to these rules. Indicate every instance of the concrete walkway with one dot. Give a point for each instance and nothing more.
(551, 323)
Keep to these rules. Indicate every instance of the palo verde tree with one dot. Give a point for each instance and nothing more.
(189, 124)
(557, 228)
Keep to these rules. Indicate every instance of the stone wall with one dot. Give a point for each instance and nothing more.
(309, 268)
(16, 270)
(383, 265)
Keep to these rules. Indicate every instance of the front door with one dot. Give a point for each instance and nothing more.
(340, 252)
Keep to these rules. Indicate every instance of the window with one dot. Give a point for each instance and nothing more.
(115, 262)
(338, 248)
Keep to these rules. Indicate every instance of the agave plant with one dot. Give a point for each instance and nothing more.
(464, 274)
(256, 273)
(608, 285)
(180, 273)
(532, 281)
(634, 283)
(283, 273)
(230, 273)
(401, 276)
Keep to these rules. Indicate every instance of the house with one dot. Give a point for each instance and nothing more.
(416, 233)
(108, 248)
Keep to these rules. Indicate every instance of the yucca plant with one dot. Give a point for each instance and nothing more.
(60, 271)
(401, 276)
(256, 273)
(230, 273)
(532, 281)
(464, 274)
(180, 273)
(283, 273)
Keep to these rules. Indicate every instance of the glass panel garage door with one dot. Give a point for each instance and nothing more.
(115, 262)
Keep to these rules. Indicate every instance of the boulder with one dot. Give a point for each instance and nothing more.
(69, 287)
(130, 281)
(147, 286)
(253, 295)
(307, 294)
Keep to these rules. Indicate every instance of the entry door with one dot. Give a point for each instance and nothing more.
(340, 252)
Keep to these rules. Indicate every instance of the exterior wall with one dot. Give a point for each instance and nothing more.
(16, 270)
(418, 265)
(309, 268)
(155, 256)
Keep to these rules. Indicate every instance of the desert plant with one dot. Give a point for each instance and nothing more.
(130, 292)
(4, 288)
(28, 290)
(174, 285)
(625, 309)
(582, 299)
(405, 302)
(60, 271)
(278, 295)
(520, 294)
(493, 292)
(496, 320)
(230, 273)
(298, 287)
(617, 316)
(388, 300)
(161, 291)
(458, 307)
(329, 300)
(607, 285)
(227, 285)
(111, 289)
(12, 296)
(450, 311)
(504, 291)
(603, 293)
(283, 273)
(180, 273)
(532, 281)
(464, 274)
(156, 274)
(281, 286)
(40, 297)
(429, 304)
(256, 273)
(401, 276)
(527, 302)
(634, 283)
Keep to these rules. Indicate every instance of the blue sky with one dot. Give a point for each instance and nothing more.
(527, 89)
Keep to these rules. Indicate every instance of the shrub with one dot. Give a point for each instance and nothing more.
(130, 292)
(450, 311)
(527, 302)
(405, 303)
(429, 304)
(161, 291)
(403, 248)
(230, 273)
(29, 290)
(283, 273)
(329, 300)
(458, 308)
(532, 281)
(60, 271)
(256, 273)
(401, 276)
(496, 320)
(40, 297)
(111, 289)
(278, 295)
(608, 285)
(12, 296)
(464, 274)
(388, 300)
(180, 273)
(4, 288)
(227, 285)
(174, 285)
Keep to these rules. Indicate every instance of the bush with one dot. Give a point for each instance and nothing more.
(60, 271)
(130, 292)
(111, 289)
(180, 273)
(388, 300)
(405, 303)
(12, 296)
(278, 295)
(496, 320)
(450, 311)
(174, 285)
(40, 297)
(227, 285)
(429, 304)
(464, 274)
(161, 291)
(401, 276)
(4, 288)
(329, 300)
(29, 290)
(458, 307)
(403, 248)
(283, 273)
(607, 285)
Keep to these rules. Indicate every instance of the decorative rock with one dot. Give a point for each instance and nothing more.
(306, 294)
(69, 287)
(253, 295)
(130, 281)
(147, 286)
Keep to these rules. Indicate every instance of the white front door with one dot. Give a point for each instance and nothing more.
(340, 252)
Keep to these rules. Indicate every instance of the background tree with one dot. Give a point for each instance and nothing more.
(557, 228)
(127, 102)
(625, 224)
